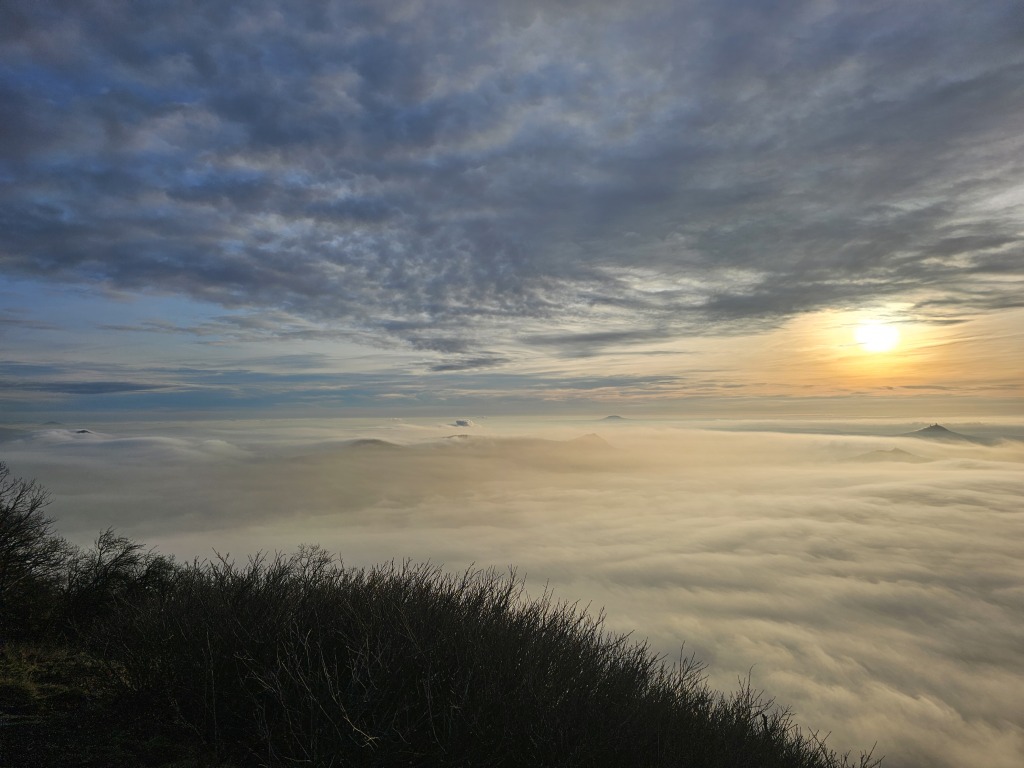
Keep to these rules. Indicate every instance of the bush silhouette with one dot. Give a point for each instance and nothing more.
(32, 557)
(299, 660)
(115, 573)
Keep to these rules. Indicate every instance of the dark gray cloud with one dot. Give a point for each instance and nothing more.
(80, 387)
(456, 175)
(314, 381)
(468, 363)
(590, 344)
(20, 319)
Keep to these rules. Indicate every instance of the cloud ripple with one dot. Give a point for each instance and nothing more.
(457, 176)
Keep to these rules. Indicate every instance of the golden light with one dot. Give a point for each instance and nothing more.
(877, 337)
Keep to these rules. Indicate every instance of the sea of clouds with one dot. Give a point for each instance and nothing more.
(882, 600)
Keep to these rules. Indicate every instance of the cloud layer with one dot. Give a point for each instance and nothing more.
(461, 176)
(881, 600)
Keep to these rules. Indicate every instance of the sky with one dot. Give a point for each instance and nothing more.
(687, 208)
(236, 239)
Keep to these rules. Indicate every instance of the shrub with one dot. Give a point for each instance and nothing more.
(31, 557)
(115, 574)
(300, 661)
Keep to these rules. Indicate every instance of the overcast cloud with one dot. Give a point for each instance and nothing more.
(882, 600)
(457, 176)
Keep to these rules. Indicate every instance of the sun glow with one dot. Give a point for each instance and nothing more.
(877, 337)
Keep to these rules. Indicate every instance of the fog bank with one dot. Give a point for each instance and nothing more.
(882, 599)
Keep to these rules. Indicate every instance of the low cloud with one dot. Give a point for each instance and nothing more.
(883, 602)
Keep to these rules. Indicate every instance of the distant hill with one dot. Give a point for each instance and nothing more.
(897, 455)
(614, 418)
(589, 441)
(373, 443)
(941, 434)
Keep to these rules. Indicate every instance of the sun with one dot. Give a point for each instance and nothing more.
(877, 337)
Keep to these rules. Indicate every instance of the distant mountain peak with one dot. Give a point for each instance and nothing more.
(590, 441)
(891, 455)
(939, 432)
(614, 417)
(373, 443)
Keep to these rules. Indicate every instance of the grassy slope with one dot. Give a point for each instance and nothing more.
(61, 707)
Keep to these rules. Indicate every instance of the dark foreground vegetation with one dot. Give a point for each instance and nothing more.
(119, 656)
